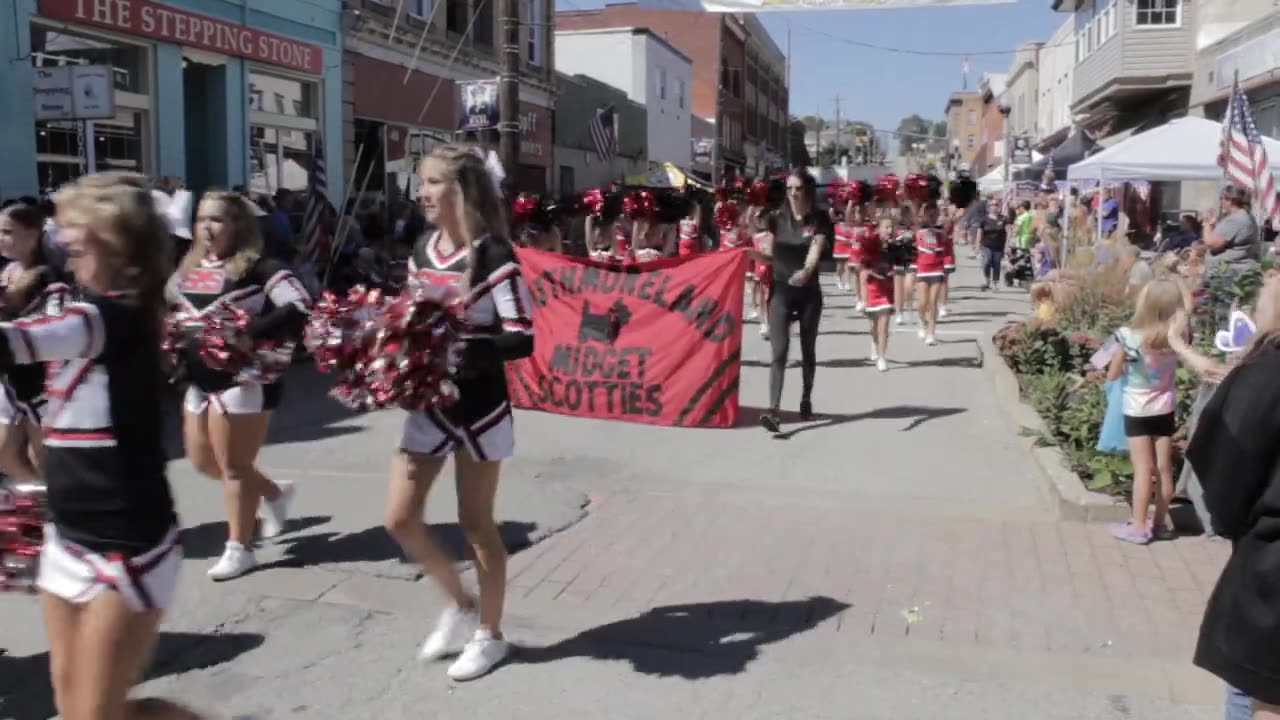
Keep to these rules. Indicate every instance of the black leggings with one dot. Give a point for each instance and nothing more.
(786, 304)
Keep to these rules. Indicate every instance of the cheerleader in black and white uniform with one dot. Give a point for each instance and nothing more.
(30, 287)
(110, 560)
(469, 251)
(226, 417)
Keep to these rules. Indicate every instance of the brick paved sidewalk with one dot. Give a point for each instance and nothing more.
(1003, 593)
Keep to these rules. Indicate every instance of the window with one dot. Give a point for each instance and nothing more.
(65, 150)
(418, 8)
(680, 93)
(1158, 13)
(973, 116)
(280, 142)
(533, 32)
(971, 142)
(457, 16)
(662, 83)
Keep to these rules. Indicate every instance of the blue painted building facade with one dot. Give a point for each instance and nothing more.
(218, 93)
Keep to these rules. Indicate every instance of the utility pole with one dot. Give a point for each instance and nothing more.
(835, 158)
(509, 93)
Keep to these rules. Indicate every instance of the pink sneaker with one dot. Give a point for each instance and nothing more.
(1126, 532)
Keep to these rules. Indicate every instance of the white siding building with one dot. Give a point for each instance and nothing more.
(1057, 61)
(649, 70)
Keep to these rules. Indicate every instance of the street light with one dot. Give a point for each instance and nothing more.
(1008, 135)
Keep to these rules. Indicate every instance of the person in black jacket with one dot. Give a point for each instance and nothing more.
(1235, 453)
(470, 251)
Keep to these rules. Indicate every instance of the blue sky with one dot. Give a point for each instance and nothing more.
(881, 87)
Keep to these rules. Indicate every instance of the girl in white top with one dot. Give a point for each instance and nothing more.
(1149, 366)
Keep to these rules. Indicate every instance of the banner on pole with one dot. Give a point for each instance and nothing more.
(658, 343)
(754, 6)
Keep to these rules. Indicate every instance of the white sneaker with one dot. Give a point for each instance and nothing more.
(942, 311)
(752, 314)
(899, 318)
(882, 365)
(764, 330)
(920, 333)
(875, 355)
(453, 625)
(236, 560)
(480, 656)
(930, 340)
(273, 515)
(860, 307)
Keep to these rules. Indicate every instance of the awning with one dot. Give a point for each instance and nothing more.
(666, 175)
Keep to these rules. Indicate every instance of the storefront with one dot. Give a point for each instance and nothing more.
(221, 93)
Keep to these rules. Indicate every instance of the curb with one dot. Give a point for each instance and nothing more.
(1063, 487)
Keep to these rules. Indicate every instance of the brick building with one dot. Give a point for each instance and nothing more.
(964, 125)
(739, 76)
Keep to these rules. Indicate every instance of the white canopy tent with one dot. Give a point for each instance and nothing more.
(1183, 149)
(993, 182)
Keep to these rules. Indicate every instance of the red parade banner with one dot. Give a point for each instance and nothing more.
(657, 343)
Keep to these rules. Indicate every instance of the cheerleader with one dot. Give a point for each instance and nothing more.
(226, 418)
(29, 287)
(468, 251)
(933, 249)
(535, 224)
(856, 229)
(842, 245)
(880, 285)
(949, 230)
(690, 238)
(903, 248)
(762, 242)
(607, 236)
(110, 559)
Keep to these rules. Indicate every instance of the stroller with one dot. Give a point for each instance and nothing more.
(1020, 271)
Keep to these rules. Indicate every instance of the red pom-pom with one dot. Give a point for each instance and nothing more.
(22, 518)
(523, 208)
(722, 194)
(886, 188)
(639, 205)
(398, 353)
(757, 194)
(592, 201)
(726, 214)
(915, 188)
(221, 338)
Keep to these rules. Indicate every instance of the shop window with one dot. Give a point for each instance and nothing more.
(65, 150)
(457, 16)
(282, 138)
(534, 31)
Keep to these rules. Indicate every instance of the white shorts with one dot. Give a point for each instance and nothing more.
(243, 399)
(490, 437)
(77, 575)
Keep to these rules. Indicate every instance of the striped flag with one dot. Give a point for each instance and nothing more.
(317, 201)
(604, 132)
(1244, 156)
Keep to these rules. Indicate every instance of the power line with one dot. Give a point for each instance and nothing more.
(910, 51)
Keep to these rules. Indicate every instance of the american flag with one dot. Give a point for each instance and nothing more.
(1244, 156)
(317, 201)
(604, 132)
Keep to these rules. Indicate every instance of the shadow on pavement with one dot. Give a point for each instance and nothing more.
(375, 544)
(695, 641)
(25, 691)
(206, 540)
(919, 415)
(306, 411)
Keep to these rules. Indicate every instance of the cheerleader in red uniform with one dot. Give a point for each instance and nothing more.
(880, 281)
(689, 240)
(949, 229)
(933, 248)
(762, 241)
(608, 239)
(903, 247)
(842, 246)
(856, 228)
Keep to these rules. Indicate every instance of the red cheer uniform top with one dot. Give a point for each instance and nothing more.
(857, 250)
(688, 244)
(930, 249)
(949, 246)
(842, 246)
(878, 262)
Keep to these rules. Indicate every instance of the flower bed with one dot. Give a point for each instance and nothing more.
(1050, 358)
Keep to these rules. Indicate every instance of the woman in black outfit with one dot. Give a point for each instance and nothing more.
(800, 231)
(1234, 452)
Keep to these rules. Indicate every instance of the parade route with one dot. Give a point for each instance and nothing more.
(895, 558)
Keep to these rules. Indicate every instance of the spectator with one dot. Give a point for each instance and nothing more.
(1232, 236)
(1024, 226)
(1188, 232)
(1110, 212)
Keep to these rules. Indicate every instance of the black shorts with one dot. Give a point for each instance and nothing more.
(1150, 425)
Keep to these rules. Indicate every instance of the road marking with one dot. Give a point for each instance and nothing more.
(940, 332)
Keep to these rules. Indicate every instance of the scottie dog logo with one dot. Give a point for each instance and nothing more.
(603, 327)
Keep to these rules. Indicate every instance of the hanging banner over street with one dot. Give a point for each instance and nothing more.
(658, 343)
(727, 6)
